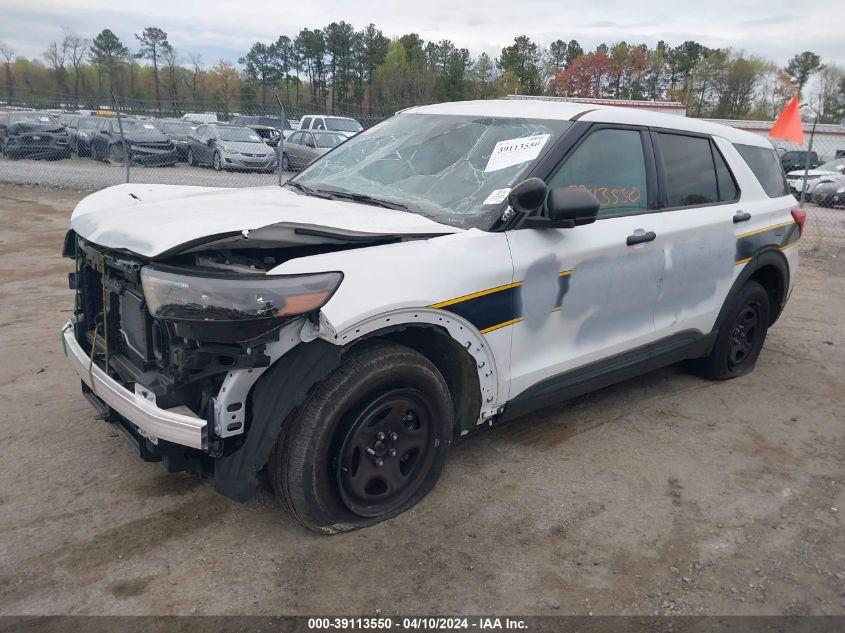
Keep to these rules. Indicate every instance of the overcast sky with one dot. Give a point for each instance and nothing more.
(776, 29)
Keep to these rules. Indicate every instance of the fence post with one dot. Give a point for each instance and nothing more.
(280, 146)
(122, 138)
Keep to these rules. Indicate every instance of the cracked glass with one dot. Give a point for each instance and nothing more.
(437, 165)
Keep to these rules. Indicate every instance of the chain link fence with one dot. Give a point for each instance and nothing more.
(97, 143)
(101, 142)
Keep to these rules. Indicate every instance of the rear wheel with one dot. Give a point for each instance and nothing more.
(741, 336)
(369, 443)
(216, 161)
(191, 157)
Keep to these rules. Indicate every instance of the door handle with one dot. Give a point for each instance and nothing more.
(741, 216)
(640, 238)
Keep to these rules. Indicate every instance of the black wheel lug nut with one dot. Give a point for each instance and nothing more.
(370, 450)
(379, 435)
(379, 462)
(392, 452)
(394, 436)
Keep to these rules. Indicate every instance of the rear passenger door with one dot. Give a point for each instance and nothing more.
(701, 217)
(586, 294)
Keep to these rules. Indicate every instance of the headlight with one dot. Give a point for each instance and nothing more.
(840, 190)
(234, 297)
(83, 134)
(227, 149)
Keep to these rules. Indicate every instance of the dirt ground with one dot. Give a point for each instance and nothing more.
(665, 494)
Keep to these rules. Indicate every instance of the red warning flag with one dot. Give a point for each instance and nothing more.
(789, 126)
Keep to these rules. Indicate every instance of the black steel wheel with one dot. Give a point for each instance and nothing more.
(190, 158)
(744, 334)
(387, 451)
(368, 443)
(740, 336)
(217, 162)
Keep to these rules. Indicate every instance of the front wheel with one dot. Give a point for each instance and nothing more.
(191, 157)
(369, 442)
(740, 336)
(216, 161)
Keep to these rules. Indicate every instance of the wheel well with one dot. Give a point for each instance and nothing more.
(775, 285)
(456, 365)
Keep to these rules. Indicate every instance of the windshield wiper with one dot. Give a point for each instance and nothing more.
(364, 199)
(308, 191)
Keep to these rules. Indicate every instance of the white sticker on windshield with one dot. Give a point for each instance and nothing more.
(515, 151)
(497, 196)
(149, 126)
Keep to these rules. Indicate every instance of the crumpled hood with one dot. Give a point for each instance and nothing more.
(148, 136)
(812, 172)
(151, 220)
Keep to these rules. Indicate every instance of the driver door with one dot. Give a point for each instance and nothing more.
(588, 293)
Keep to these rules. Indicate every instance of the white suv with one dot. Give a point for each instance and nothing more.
(458, 265)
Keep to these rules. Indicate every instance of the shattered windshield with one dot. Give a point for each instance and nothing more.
(452, 169)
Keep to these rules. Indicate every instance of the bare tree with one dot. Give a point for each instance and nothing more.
(56, 55)
(8, 54)
(77, 47)
(195, 82)
(171, 60)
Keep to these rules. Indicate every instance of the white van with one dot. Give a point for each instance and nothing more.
(456, 266)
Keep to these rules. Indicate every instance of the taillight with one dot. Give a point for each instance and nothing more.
(800, 216)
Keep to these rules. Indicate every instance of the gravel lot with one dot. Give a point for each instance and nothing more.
(85, 173)
(666, 494)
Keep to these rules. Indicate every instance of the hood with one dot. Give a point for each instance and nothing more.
(798, 173)
(244, 147)
(152, 220)
(147, 136)
(44, 128)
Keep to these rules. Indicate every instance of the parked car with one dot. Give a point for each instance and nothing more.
(796, 159)
(460, 264)
(344, 125)
(827, 171)
(200, 117)
(80, 130)
(178, 132)
(267, 127)
(830, 193)
(230, 147)
(303, 148)
(32, 135)
(144, 143)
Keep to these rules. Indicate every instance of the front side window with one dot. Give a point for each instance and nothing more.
(610, 165)
(455, 169)
(690, 174)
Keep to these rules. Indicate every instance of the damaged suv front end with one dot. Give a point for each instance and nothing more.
(168, 351)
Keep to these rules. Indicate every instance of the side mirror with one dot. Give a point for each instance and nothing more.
(567, 207)
(528, 196)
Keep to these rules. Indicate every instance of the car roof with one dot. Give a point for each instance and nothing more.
(594, 113)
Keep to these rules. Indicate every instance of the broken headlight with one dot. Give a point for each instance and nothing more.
(234, 297)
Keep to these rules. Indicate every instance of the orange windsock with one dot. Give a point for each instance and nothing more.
(789, 126)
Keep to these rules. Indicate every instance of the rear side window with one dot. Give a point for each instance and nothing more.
(610, 165)
(690, 174)
(764, 163)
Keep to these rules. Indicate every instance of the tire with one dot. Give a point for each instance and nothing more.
(740, 336)
(319, 466)
(216, 161)
(190, 158)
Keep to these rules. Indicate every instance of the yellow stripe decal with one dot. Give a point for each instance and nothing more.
(763, 230)
(501, 325)
(474, 295)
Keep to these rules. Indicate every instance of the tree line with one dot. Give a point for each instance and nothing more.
(341, 69)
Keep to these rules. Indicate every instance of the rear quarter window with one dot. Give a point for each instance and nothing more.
(765, 164)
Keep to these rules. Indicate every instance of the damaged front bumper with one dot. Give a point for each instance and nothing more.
(150, 421)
